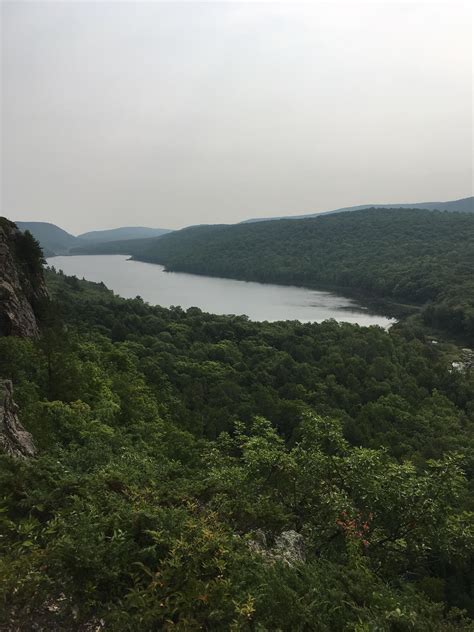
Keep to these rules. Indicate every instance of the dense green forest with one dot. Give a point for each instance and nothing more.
(207, 472)
(401, 256)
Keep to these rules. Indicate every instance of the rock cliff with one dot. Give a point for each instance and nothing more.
(22, 293)
(14, 439)
(22, 286)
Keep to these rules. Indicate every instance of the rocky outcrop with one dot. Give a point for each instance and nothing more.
(22, 286)
(22, 293)
(14, 439)
(287, 548)
(465, 362)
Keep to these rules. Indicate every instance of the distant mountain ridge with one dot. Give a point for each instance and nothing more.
(132, 239)
(119, 247)
(56, 241)
(463, 205)
(122, 233)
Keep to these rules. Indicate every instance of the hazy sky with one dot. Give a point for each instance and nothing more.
(171, 113)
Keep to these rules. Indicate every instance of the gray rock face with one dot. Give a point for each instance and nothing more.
(14, 439)
(20, 289)
(288, 547)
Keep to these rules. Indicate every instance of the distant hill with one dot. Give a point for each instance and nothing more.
(120, 247)
(123, 233)
(53, 240)
(56, 241)
(465, 205)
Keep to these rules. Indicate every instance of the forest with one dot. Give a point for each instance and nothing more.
(208, 472)
(406, 259)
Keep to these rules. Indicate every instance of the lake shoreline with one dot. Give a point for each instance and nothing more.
(257, 300)
(376, 304)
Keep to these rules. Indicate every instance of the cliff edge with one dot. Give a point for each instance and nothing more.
(22, 286)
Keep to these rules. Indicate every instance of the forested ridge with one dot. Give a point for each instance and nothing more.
(207, 472)
(400, 256)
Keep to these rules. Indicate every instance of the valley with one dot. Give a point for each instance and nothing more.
(236, 317)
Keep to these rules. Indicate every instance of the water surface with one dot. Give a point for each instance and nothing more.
(259, 301)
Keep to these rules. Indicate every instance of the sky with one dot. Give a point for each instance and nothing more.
(167, 114)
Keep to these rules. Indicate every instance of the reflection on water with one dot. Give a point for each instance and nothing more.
(219, 296)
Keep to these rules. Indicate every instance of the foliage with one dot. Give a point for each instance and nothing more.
(28, 252)
(169, 440)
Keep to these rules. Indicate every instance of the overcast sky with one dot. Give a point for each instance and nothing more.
(169, 114)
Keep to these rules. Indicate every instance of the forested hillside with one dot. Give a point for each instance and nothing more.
(410, 256)
(208, 472)
(119, 247)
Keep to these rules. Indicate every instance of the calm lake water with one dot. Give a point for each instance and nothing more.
(219, 296)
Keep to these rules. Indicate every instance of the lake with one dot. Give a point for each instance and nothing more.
(258, 301)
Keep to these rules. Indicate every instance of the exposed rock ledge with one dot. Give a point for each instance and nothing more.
(14, 439)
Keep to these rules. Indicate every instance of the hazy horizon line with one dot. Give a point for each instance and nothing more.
(268, 217)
